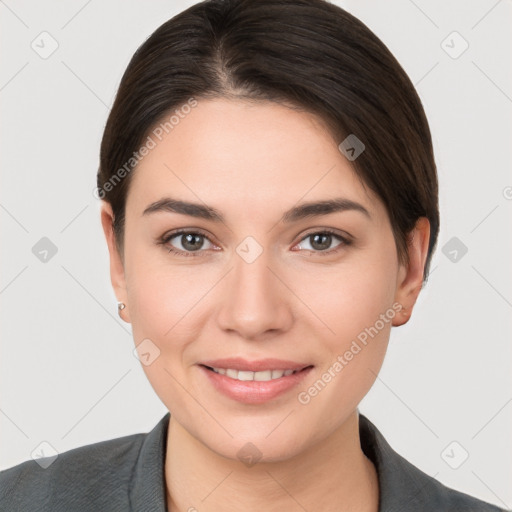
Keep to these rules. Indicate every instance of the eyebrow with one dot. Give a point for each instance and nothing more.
(302, 211)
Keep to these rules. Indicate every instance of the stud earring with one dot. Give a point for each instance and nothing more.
(120, 307)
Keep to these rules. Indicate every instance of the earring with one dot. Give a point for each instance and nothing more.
(120, 307)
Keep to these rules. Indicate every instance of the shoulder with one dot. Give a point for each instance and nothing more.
(429, 494)
(404, 486)
(89, 477)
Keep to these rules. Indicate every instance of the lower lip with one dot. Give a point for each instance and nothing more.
(254, 392)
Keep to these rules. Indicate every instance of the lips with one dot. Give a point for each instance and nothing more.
(240, 364)
(254, 382)
(261, 376)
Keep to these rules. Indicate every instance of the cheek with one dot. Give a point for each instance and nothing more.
(161, 292)
(350, 296)
(355, 305)
(162, 299)
(167, 301)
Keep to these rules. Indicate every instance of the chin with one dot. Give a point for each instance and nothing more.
(250, 446)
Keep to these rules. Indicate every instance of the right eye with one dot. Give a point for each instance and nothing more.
(189, 242)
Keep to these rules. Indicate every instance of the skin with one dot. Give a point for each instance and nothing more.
(252, 161)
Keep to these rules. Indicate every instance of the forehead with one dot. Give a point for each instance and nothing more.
(246, 156)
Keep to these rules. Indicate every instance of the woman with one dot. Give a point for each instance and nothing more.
(269, 201)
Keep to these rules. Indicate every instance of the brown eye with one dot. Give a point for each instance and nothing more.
(186, 243)
(322, 242)
(191, 241)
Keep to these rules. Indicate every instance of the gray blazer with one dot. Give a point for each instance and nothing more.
(127, 474)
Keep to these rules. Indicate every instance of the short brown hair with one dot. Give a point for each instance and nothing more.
(307, 53)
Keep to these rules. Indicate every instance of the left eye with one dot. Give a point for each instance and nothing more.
(321, 241)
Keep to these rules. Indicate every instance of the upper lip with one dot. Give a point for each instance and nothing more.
(238, 363)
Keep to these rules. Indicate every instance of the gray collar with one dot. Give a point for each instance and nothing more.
(402, 486)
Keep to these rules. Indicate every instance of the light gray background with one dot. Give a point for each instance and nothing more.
(68, 373)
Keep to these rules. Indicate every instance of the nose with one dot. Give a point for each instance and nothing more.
(255, 301)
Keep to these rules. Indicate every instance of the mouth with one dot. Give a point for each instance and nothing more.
(259, 376)
(254, 382)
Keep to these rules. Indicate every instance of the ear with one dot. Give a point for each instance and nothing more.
(117, 275)
(410, 277)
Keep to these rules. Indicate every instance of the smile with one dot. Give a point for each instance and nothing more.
(261, 376)
(254, 382)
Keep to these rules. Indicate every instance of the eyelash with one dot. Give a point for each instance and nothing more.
(167, 238)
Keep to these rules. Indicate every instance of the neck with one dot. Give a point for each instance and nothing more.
(333, 475)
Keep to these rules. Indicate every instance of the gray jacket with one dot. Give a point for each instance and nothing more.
(127, 474)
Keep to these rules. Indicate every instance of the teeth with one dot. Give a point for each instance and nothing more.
(245, 375)
(262, 376)
(233, 374)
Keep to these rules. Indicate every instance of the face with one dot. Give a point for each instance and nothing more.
(254, 286)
